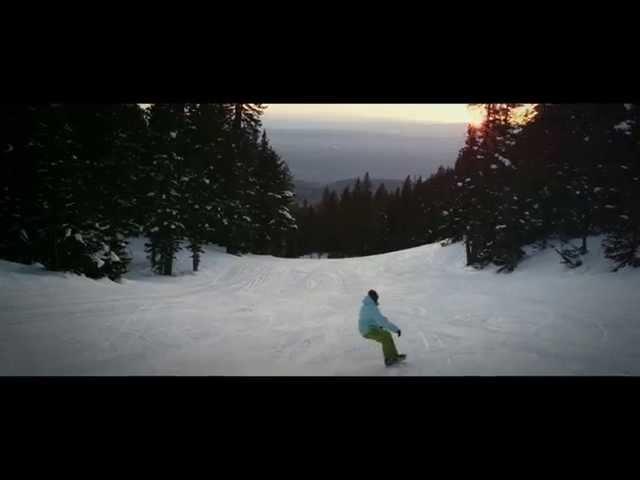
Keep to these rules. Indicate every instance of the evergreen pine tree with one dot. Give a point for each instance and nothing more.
(272, 200)
(204, 200)
(621, 201)
(240, 183)
(19, 212)
(164, 221)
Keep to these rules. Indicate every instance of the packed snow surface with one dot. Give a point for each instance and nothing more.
(260, 315)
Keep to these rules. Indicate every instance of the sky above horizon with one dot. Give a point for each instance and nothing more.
(418, 113)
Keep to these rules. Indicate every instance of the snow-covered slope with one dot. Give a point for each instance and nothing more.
(259, 315)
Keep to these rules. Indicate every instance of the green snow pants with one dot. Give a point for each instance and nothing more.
(382, 336)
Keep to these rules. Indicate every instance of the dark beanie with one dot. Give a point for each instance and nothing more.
(374, 295)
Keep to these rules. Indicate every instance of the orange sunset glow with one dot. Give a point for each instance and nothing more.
(412, 113)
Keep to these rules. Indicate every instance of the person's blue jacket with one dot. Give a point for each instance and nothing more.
(370, 317)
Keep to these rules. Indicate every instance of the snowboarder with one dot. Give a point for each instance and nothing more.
(373, 325)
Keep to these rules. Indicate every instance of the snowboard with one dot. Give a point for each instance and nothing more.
(400, 358)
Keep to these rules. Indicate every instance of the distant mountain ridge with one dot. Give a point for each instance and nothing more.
(312, 191)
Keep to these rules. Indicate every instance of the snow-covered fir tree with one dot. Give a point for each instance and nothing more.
(164, 222)
(621, 201)
(122, 170)
(271, 200)
(19, 214)
(237, 169)
(112, 139)
(472, 200)
(204, 201)
(485, 198)
(64, 180)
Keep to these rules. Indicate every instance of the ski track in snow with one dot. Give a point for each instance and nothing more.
(424, 339)
(260, 315)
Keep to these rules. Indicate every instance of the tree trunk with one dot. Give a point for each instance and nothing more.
(165, 261)
(55, 254)
(153, 256)
(196, 261)
(467, 245)
(634, 247)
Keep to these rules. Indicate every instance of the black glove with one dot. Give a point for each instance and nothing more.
(399, 332)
